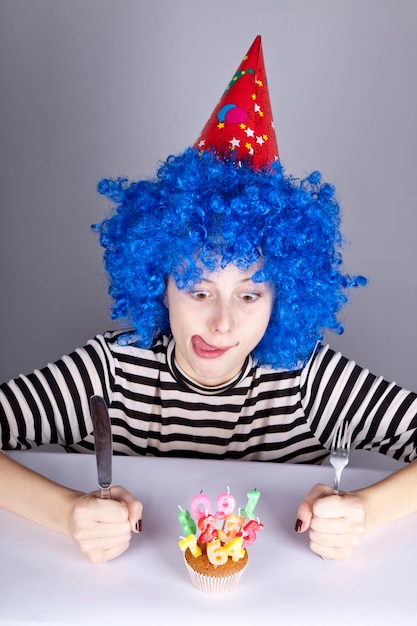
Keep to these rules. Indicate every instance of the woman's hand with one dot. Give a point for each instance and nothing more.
(101, 528)
(337, 522)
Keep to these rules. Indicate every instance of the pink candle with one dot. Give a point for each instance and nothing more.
(200, 505)
(225, 505)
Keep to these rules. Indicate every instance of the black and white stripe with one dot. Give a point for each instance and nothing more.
(264, 415)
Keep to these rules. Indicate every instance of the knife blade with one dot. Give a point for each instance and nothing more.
(102, 444)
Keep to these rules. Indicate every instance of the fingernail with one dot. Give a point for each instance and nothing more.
(298, 525)
(138, 526)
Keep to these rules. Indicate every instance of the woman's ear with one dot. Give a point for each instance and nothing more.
(165, 300)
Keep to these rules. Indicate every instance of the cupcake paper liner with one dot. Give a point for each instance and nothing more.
(214, 584)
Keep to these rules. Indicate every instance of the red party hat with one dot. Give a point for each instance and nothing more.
(241, 125)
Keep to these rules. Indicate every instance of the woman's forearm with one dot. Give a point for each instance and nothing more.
(101, 528)
(30, 495)
(390, 499)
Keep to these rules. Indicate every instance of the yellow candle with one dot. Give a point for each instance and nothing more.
(190, 542)
(234, 549)
(218, 554)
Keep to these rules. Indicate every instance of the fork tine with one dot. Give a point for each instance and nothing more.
(342, 436)
(347, 436)
(337, 436)
(340, 449)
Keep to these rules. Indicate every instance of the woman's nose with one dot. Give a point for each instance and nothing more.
(221, 321)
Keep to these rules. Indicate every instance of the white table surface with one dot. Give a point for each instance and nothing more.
(45, 580)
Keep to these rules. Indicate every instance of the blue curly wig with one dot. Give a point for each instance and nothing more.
(204, 211)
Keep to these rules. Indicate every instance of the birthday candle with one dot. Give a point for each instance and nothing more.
(190, 542)
(186, 521)
(233, 523)
(253, 497)
(207, 525)
(218, 554)
(249, 531)
(200, 505)
(225, 505)
(234, 549)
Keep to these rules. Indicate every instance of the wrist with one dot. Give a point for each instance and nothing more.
(391, 498)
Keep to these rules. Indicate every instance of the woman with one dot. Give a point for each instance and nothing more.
(228, 272)
(228, 291)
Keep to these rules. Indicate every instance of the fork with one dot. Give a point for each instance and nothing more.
(339, 453)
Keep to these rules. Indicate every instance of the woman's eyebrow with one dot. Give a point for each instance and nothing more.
(213, 282)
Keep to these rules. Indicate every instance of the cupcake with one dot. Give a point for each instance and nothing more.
(215, 544)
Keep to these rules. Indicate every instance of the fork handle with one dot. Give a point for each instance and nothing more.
(336, 486)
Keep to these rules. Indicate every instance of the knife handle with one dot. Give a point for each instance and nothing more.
(105, 494)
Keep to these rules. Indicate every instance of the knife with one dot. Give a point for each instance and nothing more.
(102, 444)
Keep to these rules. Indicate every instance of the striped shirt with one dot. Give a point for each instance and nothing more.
(263, 415)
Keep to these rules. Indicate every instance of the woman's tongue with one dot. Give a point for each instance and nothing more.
(201, 348)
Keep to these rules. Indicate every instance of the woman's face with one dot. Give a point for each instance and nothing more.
(218, 322)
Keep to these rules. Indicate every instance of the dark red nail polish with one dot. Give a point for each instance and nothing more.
(139, 526)
(298, 525)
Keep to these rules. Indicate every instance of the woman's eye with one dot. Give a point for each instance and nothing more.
(249, 297)
(199, 295)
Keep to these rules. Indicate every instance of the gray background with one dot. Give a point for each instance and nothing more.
(93, 88)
